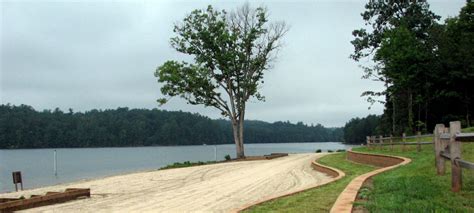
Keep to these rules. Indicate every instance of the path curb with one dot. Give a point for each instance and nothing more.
(344, 202)
(333, 172)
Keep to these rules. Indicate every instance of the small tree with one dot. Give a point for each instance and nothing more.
(231, 52)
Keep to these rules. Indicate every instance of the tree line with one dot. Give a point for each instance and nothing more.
(24, 127)
(427, 66)
(356, 129)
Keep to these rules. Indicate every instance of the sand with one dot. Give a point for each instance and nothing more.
(211, 188)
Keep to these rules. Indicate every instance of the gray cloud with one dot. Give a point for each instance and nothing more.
(89, 54)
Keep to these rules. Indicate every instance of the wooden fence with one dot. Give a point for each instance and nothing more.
(380, 141)
(448, 141)
(447, 145)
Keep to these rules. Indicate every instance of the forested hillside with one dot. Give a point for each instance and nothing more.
(24, 127)
(356, 130)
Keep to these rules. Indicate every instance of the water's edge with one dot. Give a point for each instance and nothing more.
(82, 164)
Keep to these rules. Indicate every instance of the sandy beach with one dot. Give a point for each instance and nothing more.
(211, 188)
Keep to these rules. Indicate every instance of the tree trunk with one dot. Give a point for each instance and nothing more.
(241, 137)
(237, 140)
(468, 122)
(410, 111)
(426, 116)
(393, 115)
(468, 118)
(241, 130)
(418, 122)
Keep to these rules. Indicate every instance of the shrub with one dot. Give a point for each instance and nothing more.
(341, 150)
(318, 150)
(227, 157)
(364, 193)
(330, 150)
(186, 164)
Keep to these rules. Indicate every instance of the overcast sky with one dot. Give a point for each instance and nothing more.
(102, 54)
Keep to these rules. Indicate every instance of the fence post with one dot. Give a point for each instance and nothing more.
(455, 153)
(439, 147)
(391, 142)
(418, 140)
(403, 141)
(381, 141)
(374, 142)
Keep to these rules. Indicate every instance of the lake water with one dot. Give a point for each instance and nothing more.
(37, 165)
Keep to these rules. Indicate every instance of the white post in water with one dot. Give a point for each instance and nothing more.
(215, 152)
(55, 164)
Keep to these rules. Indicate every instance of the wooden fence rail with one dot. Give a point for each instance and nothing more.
(447, 146)
(373, 141)
(448, 141)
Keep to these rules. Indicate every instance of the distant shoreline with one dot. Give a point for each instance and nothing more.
(171, 145)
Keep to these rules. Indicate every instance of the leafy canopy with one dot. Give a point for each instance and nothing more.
(230, 52)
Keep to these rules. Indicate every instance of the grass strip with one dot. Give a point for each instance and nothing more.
(416, 187)
(318, 199)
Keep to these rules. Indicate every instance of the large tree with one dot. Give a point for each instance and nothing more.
(397, 40)
(231, 52)
(457, 56)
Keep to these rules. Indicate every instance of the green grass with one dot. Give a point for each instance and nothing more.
(411, 188)
(319, 199)
(422, 139)
(416, 187)
(410, 140)
(470, 129)
(186, 164)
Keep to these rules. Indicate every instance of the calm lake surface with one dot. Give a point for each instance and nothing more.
(37, 165)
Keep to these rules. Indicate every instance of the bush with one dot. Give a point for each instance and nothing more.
(318, 150)
(227, 157)
(364, 193)
(186, 164)
(341, 150)
(330, 150)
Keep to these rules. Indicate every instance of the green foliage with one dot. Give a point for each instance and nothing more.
(24, 127)
(426, 66)
(364, 193)
(231, 51)
(340, 150)
(227, 157)
(329, 150)
(467, 130)
(385, 15)
(186, 164)
(318, 151)
(356, 130)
